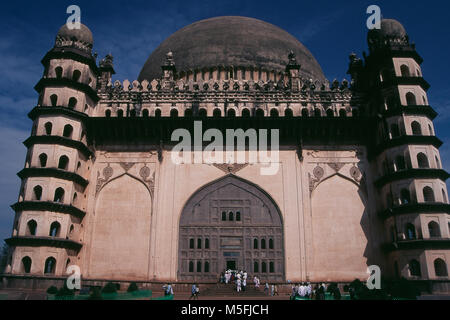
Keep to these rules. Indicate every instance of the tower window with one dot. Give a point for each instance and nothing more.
(54, 100)
(422, 161)
(217, 113)
(404, 69)
(26, 265)
(400, 163)
(440, 268)
(317, 112)
(50, 265)
(31, 228)
(411, 99)
(416, 128)
(199, 243)
(414, 268)
(37, 193)
(174, 113)
(263, 267)
(434, 230)
(255, 244)
(231, 113)
(410, 231)
(145, 113)
(120, 113)
(271, 246)
(43, 160)
(67, 133)
(48, 128)
(288, 113)
(63, 163)
(108, 113)
(330, 113)
(342, 113)
(54, 229)
(76, 75)
(428, 194)
(444, 196)
(206, 243)
(158, 113)
(238, 216)
(191, 244)
(59, 195)
(224, 216)
(255, 267)
(202, 113)
(72, 103)
(58, 72)
(199, 266)
(191, 266)
(405, 196)
(230, 216)
(206, 266)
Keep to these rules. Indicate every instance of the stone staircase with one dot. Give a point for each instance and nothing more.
(227, 290)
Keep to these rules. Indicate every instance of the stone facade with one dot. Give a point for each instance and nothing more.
(360, 180)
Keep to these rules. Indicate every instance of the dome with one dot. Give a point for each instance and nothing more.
(231, 41)
(80, 35)
(392, 28)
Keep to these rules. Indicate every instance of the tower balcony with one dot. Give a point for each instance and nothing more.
(401, 80)
(427, 173)
(405, 140)
(68, 83)
(33, 241)
(48, 206)
(416, 110)
(59, 140)
(423, 244)
(417, 208)
(53, 173)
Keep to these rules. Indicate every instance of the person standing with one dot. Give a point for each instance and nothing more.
(244, 284)
(197, 291)
(193, 292)
(238, 285)
(266, 289)
(275, 290)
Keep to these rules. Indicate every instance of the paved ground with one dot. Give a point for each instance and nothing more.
(13, 294)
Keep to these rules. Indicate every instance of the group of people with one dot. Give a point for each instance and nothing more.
(305, 290)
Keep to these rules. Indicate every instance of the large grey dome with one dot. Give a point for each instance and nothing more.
(231, 42)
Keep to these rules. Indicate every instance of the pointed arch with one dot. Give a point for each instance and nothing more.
(208, 209)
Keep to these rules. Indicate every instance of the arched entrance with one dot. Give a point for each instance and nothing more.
(230, 223)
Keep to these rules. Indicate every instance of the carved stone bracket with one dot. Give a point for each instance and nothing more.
(107, 174)
(145, 174)
(230, 167)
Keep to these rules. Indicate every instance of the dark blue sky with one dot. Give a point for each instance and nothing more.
(132, 29)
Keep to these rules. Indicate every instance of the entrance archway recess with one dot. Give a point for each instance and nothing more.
(230, 222)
